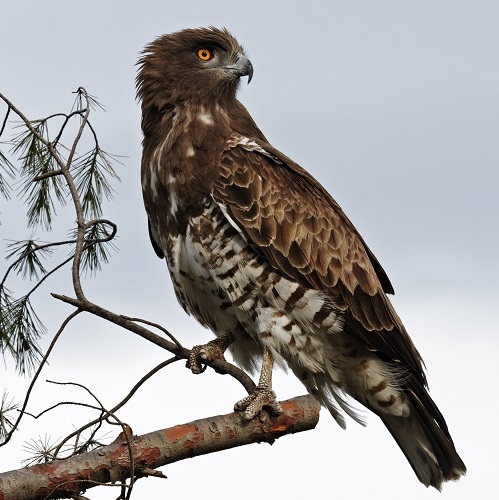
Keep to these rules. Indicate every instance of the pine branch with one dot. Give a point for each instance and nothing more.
(48, 180)
(111, 463)
(28, 263)
(220, 366)
(98, 236)
(18, 265)
(38, 161)
(22, 329)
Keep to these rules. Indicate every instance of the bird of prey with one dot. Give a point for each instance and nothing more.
(261, 254)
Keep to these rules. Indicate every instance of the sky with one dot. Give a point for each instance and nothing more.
(394, 108)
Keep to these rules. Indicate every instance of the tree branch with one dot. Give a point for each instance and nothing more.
(110, 464)
(220, 366)
(47, 175)
(37, 374)
(127, 398)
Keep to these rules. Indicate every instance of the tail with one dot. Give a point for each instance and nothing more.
(425, 440)
(408, 412)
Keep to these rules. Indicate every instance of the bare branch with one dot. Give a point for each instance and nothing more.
(222, 367)
(79, 112)
(37, 374)
(77, 203)
(46, 175)
(70, 477)
(155, 325)
(4, 123)
(122, 403)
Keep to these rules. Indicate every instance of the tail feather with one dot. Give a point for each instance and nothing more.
(427, 445)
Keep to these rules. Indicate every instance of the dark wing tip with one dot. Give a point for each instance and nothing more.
(156, 247)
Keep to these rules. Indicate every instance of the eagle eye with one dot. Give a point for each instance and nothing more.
(205, 54)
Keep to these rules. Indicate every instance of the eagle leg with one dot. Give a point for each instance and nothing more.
(263, 395)
(208, 352)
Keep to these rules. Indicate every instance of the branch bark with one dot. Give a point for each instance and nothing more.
(109, 464)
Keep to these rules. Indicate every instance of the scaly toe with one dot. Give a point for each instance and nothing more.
(200, 353)
(254, 403)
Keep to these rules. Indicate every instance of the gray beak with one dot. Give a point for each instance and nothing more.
(241, 67)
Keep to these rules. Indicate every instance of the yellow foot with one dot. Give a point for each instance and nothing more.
(252, 405)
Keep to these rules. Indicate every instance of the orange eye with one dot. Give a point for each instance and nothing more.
(205, 54)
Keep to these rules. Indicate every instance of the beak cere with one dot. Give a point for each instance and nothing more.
(241, 67)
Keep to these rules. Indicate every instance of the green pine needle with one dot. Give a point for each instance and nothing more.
(91, 172)
(97, 246)
(37, 161)
(27, 254)
(7, 422)
(23, 327)
(8, 168)
(40, 450)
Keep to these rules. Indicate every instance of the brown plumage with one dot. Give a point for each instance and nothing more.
(260, 253)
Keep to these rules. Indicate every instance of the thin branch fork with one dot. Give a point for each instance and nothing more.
(111, 463)
(47, 175)
(220, 366)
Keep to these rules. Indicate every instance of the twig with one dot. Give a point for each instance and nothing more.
(61, 403)
(66, 121)
(34, 250)
(30, 127)
(49, 273)
(219, 365)
(155, 325)
(121, 403)
(75, 271)
(5, 120)
(109, 237)
(37, 373)
(47, 175)
(124, 427)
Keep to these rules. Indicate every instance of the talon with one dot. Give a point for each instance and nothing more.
(199, 353)
(254, 403)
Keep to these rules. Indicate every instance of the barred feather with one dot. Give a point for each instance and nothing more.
(256, 247)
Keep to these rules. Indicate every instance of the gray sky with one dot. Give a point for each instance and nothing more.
(394, 107)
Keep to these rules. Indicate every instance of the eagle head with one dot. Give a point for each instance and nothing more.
(192, 64)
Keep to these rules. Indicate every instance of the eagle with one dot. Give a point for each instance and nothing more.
(261, 254)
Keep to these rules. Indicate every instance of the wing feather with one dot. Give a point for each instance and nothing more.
(297, 226)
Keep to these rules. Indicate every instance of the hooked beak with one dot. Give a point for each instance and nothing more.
(241, 67)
